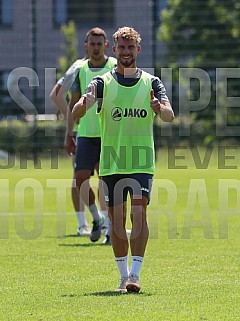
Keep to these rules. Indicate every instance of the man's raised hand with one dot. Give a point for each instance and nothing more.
(154, 103)
(90, 97)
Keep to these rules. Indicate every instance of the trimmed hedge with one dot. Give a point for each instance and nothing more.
(41, 136)
(34, 136)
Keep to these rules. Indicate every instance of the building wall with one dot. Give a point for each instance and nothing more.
(16, 40)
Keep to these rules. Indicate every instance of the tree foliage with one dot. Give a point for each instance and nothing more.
(70, 47)
(202, 33)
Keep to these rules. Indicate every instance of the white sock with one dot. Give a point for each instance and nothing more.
(108, 225)
(122, 264)
(81, 218)
(95, 212)
(105, 215)
(136, 265)
(107, 222)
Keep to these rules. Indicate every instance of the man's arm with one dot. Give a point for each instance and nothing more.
(64, 84)
(161, 107)
(58, 97)
(70, 121)
(166, 112)
(159, 101)
(69, 142)
(83, 104)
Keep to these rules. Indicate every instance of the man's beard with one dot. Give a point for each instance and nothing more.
(126, 63)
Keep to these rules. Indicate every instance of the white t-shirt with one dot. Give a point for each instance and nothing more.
(68, 78)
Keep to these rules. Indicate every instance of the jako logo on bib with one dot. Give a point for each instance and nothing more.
(118, 113)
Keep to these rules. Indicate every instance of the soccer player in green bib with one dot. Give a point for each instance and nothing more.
(59, 94)
(128, 100)
(88, 135)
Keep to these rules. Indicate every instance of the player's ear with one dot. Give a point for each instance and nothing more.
(86, 45)
(113, 49)
(139, 48)
(106, 44)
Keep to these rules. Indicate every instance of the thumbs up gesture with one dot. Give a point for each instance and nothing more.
(155, 103)
(152, 94)
(91, 97)
(84, 103)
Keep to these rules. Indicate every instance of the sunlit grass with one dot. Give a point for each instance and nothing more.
(191, 267)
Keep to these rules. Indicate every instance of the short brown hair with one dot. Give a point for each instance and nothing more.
(127, 33)
(96, 32)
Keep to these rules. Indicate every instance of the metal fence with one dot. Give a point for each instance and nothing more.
(32, 44)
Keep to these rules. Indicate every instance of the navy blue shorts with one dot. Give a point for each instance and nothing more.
(87, 153)
(117, 186)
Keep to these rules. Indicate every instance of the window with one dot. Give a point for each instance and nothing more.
(84, 13)
(5, 12)
(60, 11)
(5, 98)
(162, 4)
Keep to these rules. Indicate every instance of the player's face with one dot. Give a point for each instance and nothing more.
(96, 47)
(126, 51)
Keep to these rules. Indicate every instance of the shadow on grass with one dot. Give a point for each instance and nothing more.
(72, 236)
(66, 236)
(114, 293)
(69, 295)
(63, 236)
(82, 245)
(75, 235)
(106, 294)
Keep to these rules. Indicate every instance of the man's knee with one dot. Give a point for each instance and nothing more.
(82, 176)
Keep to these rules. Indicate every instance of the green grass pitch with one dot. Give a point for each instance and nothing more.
(192, 262)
